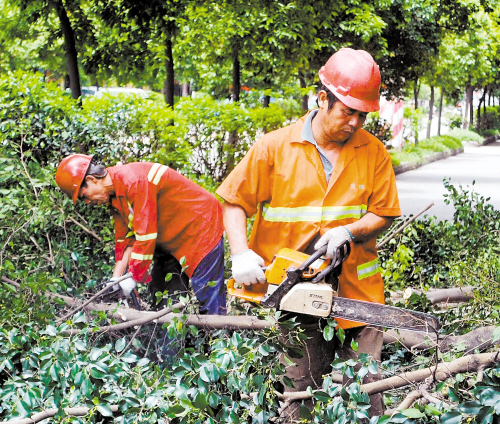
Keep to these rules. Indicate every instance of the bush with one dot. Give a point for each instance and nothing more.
(379, 127)
(412, 124)
(412, 153)
(464, 252)
(455, 120)
(490, 121)
(465, 135)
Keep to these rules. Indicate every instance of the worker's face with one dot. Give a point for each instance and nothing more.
(342, 121)
(94, 192)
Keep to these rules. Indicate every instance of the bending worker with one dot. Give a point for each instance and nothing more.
(321, 181)
(160, 216)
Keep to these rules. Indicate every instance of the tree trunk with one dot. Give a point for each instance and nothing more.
(168, 89)
(236, 72)
(471, 106)
(70, 46)
(467, 104)
(482, 101)
(415, 95)
(440, 111)
(305, 98)
(431, 112)
(267, 98)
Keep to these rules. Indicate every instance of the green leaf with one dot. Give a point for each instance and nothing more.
(305, 413)
(373, 367)
(452, 417)
(175, 410)
(412, 413)
(200, 401)
(120, 344)
(209, 373)
(328, 333)
(470, 407)
(105, 410)
(496, 334)
(354, 345)
(151, 402)
(341, 335)
(485, 415)
(321, 396)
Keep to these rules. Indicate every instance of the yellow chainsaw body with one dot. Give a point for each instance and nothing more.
(275, 274)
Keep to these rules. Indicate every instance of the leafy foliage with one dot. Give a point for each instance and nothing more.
(464, 252)
(223, 376)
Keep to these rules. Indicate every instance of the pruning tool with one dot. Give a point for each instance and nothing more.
(115, 293)
(297, 282)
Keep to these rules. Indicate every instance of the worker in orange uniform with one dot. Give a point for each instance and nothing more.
(321, 181)
(160, 216)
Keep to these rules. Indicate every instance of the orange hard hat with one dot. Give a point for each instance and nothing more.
(354, 78)
(70, 174)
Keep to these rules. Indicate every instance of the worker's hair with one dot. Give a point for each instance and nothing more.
(332, 99)
(96, 170)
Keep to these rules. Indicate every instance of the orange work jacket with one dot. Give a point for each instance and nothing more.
(156, 206)
(283, 179)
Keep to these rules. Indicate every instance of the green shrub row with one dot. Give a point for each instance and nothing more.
(415, 153)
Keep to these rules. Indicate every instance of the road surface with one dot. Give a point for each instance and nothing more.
(421, 186)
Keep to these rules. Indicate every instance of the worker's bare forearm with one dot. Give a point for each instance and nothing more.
(369, 226)
(235, 224)
(122, 264)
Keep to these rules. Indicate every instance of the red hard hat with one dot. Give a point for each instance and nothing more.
(354, 78)
(70, 174)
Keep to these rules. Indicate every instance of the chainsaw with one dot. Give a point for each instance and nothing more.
(297, 282)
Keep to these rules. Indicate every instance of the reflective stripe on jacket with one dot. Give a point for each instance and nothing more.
(282, 178)
(154, 204)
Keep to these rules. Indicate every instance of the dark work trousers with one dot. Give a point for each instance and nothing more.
(319, 354)
(370, 340)
(163, 264)
(212, 298)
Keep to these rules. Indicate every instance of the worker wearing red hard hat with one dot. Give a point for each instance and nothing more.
(321, 181)
(160, 216)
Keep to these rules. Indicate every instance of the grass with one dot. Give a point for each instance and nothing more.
(412, 153)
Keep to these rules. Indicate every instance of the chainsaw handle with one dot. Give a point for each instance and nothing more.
(315, 256)
(333, 263)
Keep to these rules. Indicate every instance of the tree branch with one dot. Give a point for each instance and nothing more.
(402, 227)
(442, 371)
(84, 228)
(451, 295)
(480, 338)
(137, 322)
(74, 412)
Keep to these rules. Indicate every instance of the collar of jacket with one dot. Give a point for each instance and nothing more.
(296, 135)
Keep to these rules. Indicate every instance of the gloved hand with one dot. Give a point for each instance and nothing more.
(334, 238)
(126, 283)
(247, 268)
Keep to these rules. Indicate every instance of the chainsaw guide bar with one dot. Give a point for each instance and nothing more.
(297, 282)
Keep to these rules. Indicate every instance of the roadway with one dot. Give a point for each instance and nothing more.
(421, 186)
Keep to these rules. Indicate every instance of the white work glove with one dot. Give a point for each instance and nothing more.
(247, 268)
(335, 238)
(126, 283)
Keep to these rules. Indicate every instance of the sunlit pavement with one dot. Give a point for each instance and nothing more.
(424, 185)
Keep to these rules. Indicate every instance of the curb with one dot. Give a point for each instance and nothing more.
(428, 159)
(491, 139)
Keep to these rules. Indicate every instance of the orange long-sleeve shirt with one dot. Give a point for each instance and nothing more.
(156, 206)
